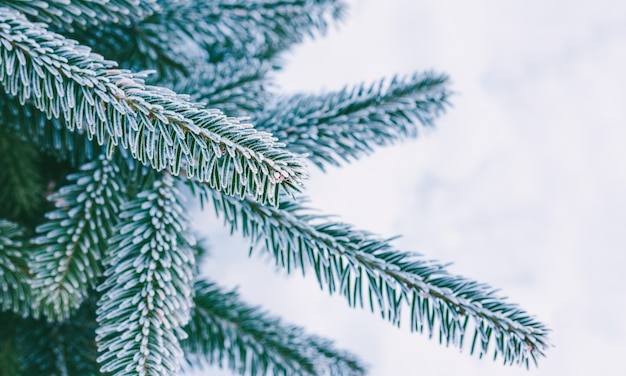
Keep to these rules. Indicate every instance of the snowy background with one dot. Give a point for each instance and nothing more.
(522, 184)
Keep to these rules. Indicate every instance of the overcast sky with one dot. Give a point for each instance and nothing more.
(522, 184)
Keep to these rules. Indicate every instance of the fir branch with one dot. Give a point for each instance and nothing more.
(190, 32)
(347, 124)
(58, 96)
(237, 87)
(69, 13)
(66, 262)
(21, 195)
(225, 331)
(147, 294)
(14, 289)
(354, 262)
(156, 125)
(259, 28)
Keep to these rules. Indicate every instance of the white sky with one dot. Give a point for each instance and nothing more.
(522, 183)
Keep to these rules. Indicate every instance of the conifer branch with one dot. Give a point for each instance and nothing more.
(14, 290)
(347, 124)
(125, 217)
(70, 245)
(225, 331)
(354, 263)
(259, 28)
(156, 125)
(189, 32)
(67, 14)
(147, 294)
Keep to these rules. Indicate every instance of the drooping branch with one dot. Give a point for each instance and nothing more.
(157, 126)
(147, 295)
(355, 264)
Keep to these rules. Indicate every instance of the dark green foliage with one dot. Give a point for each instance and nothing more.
(21, 195)
(61, 348)
(97, 266)
(9, 352)
(36, 347)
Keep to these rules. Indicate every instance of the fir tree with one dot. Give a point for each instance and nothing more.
(116, 114)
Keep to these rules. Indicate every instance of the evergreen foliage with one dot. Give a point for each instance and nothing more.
(345, 125)
(355, 263)
(147, 294)
(15, 288)
(98, 268)
(258, 343)
(21, 193)
(66, 262)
